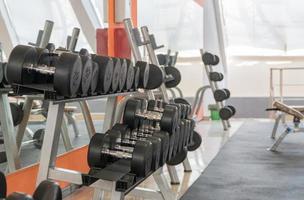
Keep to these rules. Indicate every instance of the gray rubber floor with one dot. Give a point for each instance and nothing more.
(244, 169)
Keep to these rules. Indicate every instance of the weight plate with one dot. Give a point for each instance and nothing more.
(43, 56)
(3, 187)
(216, 60)
(94, 151)
(123, 129)
(232, 108)
(20, 56)
(116, 74)
(225, 113)
(181, 100)
(136, 77)
(156, 146)
(1, 72)
(169, 119)
(38, 138)
(129, 116)
(162, 59)
(123, 74)
(106, 69)
(196, 141)
(178, 158)
(187, 132)
(216, 76)
(220, 95)
(156, 77)
(165, 144)
(95, 78)
(227, 93)
(182, 133)
(176, 140)
(86, 79)
(175, 74)
(142, 158)
(144, 73)
(171, 146)
(68, 73)
(130, 75)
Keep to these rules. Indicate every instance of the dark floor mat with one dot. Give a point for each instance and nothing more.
(244, 169)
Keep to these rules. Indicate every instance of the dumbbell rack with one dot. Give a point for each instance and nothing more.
(7, 128)
(214, 86)
(135, 42)
(102, 180)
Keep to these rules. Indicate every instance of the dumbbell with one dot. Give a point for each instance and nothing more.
(221, 94)
(136, 78)
(129, 138)
(227, 112)
(46, 190)
(130, 76)
(3, 157)
(123, 74)
(105, 75)
(210, 59)
(25, 61)
(175, 74)
(104, 149)
(166, 121)
(89, 73)
(216, 76)
(116, 74)
(17, 113)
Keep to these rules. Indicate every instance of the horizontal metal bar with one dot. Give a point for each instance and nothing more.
(146, 193)
(66, 175)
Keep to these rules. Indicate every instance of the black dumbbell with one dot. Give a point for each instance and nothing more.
(4, 69)
(123, 74)
(95, 79)
(48, 190)
(3, 157)
(174, 77)
(216, 76)
(221, 94)
(116, 74)
(25, 61)
(104, 149)
(187, 106)
(3, 187)
(136, 78)
(167, 120)
(227, 112)
(143, 69)
(87, 73)
(106, 68)
(156, 77)
(130, 76)
(210, 59)
(129, 138)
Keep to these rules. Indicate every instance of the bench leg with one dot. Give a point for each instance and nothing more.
(280, 139)
(276, 125)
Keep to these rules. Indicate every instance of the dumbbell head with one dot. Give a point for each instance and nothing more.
(87, 72)
(156, 77)
(123, 74)
(167, 119)
(162, 59)
(175, 73)
(51, 47)
(130, 139)
(106, 68)
(130, 75)
(48, 190)
(144, 72)
(210, 59)
(3, 187)
(116, 74)
(19, 196)
(227, 112)
(221, 95)
(196, 141)
(233, 109)
(227, 93)
(136, 78)
(102, 149)
(95, 77)
(187, 105)
(179, 157)
(216, 76)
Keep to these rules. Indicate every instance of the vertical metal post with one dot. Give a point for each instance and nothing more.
(87, 118)
(47, 32)
(73, 39)
(163, 89)
(276, 125)
(7, 127)
(50, 140)
(27, 107)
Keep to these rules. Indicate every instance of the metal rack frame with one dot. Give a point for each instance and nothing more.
(214, 86)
